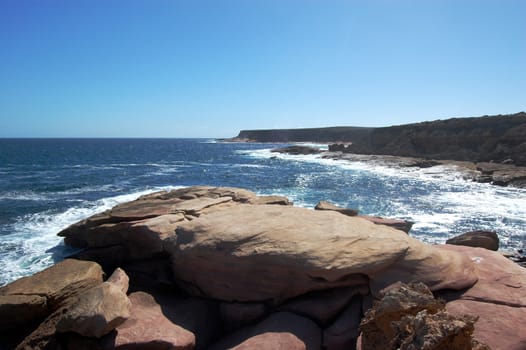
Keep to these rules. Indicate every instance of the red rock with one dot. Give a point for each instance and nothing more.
(254, 253)
(482, 239)
(498, 299)
(148, 328)
(272, 341)
(282, 330)
(120, 279)
(96, 312)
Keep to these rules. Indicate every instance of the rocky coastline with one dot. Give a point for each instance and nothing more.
(489, 149)
(223, 268)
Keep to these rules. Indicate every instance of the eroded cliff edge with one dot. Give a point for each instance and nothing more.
(497, 138)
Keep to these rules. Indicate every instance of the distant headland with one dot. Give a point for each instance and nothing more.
(498, 138)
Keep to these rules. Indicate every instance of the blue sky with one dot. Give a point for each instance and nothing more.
(210, 68)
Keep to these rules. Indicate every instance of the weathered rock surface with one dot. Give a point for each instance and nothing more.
(282, 330)
(137, 230)
(35, 297)
(324, 306)
(402, 225)
(482, 239)
(440, 331)
(498, 299)
(258, 253)
(96, 312)
(343, 332)
(409, 317)
(324, 205)
(148, 328)
(120, 279)
(235, 315)
(217, 260)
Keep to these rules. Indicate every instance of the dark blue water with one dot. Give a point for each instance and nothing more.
(48, 184)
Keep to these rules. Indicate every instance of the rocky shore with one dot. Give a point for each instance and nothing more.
(222, 268)
(494, 173)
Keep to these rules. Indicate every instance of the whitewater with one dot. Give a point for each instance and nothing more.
(49, 184)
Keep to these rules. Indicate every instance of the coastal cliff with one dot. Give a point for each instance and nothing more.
(500, 138)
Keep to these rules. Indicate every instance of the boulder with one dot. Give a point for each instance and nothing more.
(137, 230)
(252, 253)
(235, 315)
(272, 341)
(199, 316)
(402, 225)
(498, 298)
(96, 312)
(120, 279)
(396, 301)
(20, 310)
(35, 297)
(435, 331)
(343, 332)
(323, 306)
(282, 330)
(148, 328)
(482, 239)
(324, 205)
(409, 317)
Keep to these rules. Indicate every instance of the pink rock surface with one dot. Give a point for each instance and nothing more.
(148, 328)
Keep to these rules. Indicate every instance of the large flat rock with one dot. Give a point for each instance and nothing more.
(498, 299)
(264, 252)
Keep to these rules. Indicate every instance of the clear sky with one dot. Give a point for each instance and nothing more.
(103, 68)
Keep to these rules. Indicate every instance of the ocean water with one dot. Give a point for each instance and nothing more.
(48, 184)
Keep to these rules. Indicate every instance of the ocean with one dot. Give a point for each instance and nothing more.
(48, 184)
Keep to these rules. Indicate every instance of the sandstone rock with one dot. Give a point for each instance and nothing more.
(324, 205)
(276, 200)
(402, 225)
(259, 253)
(323, 306)
(56, 284)
(199, 316)
(482, 239)
(408, 317)
(148, 328)
(500, 290)
(272, 341)
(120, 279)
(235, 315)
(397, 301)
(136, 230)
(19, 310)
(437, 331)
(343, 333)
(150, 274)
(282, 330)
(96, 312)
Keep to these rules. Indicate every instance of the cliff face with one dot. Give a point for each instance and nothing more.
(482, 139)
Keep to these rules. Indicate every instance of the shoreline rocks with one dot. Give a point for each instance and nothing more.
(214, 268)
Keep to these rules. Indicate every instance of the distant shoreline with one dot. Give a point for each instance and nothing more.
(486, 139)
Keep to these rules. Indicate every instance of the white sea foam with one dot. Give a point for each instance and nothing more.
(33, 242)
(450, 206)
